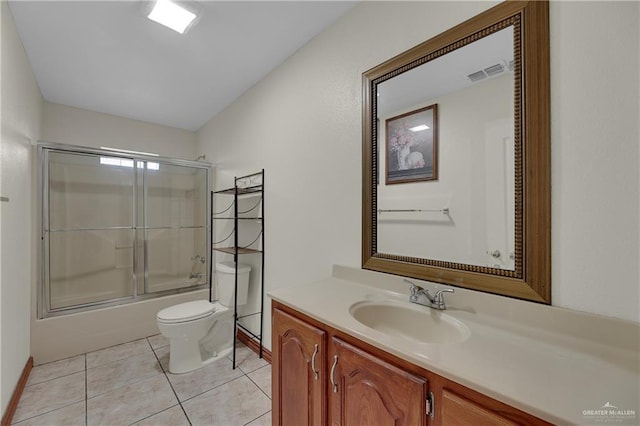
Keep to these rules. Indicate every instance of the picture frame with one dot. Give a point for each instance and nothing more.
(411, 146)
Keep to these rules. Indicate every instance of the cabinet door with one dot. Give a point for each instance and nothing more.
(460, 410)
(365, 390)
(298, 359)
(457, 410)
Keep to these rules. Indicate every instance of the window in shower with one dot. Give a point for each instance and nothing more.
(117, 229)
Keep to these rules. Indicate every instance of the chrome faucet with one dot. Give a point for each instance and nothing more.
(422, 296)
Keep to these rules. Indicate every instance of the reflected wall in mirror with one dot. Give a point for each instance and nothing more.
(482, 221)
(474, 88)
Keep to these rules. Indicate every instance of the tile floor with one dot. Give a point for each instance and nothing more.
(130, 384)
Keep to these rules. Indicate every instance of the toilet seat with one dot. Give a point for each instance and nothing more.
(189, 311)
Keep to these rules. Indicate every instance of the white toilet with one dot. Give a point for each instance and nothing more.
(201, 332)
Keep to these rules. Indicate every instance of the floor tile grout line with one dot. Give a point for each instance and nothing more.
(171, 385)
(120, 359)
(55, 409)
(261, 415)
(138, 380)
(57, 360)
(53, 378)
(185, 413)
(47, 412)
(154, 414)
(258, 386)
(210, 389)
(117, 360)
(86, 390)
(115, 346)
(215, 387)
(163, 371)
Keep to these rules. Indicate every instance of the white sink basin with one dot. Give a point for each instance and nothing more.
(415, 322)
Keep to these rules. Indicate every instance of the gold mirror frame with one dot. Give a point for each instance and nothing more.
(531, 279)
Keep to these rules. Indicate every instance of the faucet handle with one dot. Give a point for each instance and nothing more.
(438, 298)
(414, 288)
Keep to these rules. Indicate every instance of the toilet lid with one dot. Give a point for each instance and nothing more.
(186, 311)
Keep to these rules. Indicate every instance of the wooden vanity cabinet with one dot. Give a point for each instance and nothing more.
(461, 411)
(365, 390)
(358, 384)
(298, 357)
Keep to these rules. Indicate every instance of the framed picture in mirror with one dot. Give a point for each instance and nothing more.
(412, 146)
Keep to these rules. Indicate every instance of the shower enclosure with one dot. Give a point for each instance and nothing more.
(119, 228)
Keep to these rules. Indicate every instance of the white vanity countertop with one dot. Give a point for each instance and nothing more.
(556, 364)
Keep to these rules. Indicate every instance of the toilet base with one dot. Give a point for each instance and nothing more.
(184, 357)
(196, 340)
(220, 355)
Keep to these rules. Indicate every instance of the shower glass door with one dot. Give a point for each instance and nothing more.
(175, 217)
(118, 229)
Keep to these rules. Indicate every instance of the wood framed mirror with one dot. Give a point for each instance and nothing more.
(483, 221)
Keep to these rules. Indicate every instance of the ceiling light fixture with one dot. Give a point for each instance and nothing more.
(419, 128)
(179, 16)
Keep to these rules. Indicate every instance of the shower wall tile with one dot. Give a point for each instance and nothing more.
(120, 373)
(48, 396)
(53, 370)
(116, 353)
(238, 402)
(71, 415)
(172, 417)
(132, 403)
(188, 385)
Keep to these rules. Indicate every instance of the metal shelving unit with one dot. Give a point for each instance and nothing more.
(243, 186)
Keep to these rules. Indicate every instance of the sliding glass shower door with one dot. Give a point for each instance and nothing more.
(118, 229)
(175, 217)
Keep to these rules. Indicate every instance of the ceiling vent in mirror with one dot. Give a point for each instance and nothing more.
(477, 76)
(491, 71)
(494, 70)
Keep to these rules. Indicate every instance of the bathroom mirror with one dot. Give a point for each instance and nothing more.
(456, 163)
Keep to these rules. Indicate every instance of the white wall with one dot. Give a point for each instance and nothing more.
(302, 123)
(595, 148)
(21, 114)
(64, 124)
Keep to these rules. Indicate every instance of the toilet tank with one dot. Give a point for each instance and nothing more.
(225, 273)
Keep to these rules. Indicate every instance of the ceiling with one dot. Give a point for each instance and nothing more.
(106, 56)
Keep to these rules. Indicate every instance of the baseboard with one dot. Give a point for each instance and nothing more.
(253, 345)
(17, 393)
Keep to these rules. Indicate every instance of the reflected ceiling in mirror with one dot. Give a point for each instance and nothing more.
(486, 58)
(456, 180)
